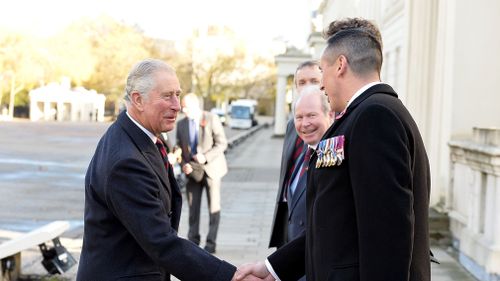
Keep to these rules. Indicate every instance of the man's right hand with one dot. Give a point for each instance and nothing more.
(253, 271)
(187, 169)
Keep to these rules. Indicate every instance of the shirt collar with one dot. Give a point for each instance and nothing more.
(355, 96)
(362, 90)
(148, 133)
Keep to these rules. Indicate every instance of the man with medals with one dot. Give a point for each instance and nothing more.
(368, 198)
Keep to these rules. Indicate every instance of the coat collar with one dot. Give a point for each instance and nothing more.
(376, 89)
(147, 148)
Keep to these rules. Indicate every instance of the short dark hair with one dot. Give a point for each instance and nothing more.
(338, 25)
(307, 63)
(361, 48)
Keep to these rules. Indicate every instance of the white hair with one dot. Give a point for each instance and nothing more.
(141, 77)
(314, 90)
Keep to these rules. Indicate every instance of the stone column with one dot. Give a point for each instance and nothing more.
(34, 111)
(60, 111)
(421, 57)
(46, 109)
(286, 65)
(475, 202)
(279, 114)
(441, 104)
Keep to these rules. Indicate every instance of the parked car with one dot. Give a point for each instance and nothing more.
(221, 113)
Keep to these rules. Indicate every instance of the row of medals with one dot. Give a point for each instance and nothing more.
(330, 152)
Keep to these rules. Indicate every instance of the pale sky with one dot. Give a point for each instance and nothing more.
(256, 20)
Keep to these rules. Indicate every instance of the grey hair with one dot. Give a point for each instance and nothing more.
(314, 90)
(141, 77)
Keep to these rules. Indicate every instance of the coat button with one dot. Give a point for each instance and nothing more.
(170, 214)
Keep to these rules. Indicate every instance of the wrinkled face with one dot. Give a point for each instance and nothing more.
(309, 75)
(328, 83)
(162, 104)
(310, 121)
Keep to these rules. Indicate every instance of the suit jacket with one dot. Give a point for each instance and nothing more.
(279, 228)
(132, 211)
(367, 218)
(296, 202)
(212, 143)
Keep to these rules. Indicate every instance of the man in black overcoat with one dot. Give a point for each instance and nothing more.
(368, 183)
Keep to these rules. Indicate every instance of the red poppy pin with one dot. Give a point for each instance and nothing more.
(203, 122)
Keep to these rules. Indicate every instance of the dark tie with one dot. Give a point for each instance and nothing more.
(303, 169)
(305, 165)
(163, 152)
(297, 151)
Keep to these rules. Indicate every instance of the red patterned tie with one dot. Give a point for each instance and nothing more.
(305, 165)
(163, 152)
(297, 151)
(299, 147)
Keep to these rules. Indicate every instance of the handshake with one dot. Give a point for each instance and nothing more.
(253, 272)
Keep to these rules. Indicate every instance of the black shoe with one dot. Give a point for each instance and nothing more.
(210, 249)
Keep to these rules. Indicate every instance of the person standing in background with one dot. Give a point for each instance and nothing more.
(307, 73)
(201, 137)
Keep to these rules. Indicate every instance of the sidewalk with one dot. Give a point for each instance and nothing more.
(248, 196)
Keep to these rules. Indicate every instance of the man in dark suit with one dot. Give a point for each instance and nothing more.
(201, 137)
(368, 183)
(132, 201)
(286, 227)
(312, 117)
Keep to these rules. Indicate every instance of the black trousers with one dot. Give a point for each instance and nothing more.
(194, 192)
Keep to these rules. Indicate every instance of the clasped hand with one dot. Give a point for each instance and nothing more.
(253, 272)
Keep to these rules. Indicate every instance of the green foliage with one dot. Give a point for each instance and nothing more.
(116, 48)
(98, 53)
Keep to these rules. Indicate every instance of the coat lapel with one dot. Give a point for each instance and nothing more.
(183, 133)
(202, 131)
(146, 147)
(289, 149)
(301, 187)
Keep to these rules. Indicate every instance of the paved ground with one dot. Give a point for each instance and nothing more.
(41, 179)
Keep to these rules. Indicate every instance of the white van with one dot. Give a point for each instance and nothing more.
(243, 114)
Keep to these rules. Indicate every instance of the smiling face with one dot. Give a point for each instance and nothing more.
(161, 105)
(311, 122)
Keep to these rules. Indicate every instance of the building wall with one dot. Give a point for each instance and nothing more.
(477, 66)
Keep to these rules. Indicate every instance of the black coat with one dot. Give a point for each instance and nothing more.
(132, 212)
(368, 217)
(289, 217)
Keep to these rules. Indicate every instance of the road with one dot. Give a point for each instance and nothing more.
(42, 162)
